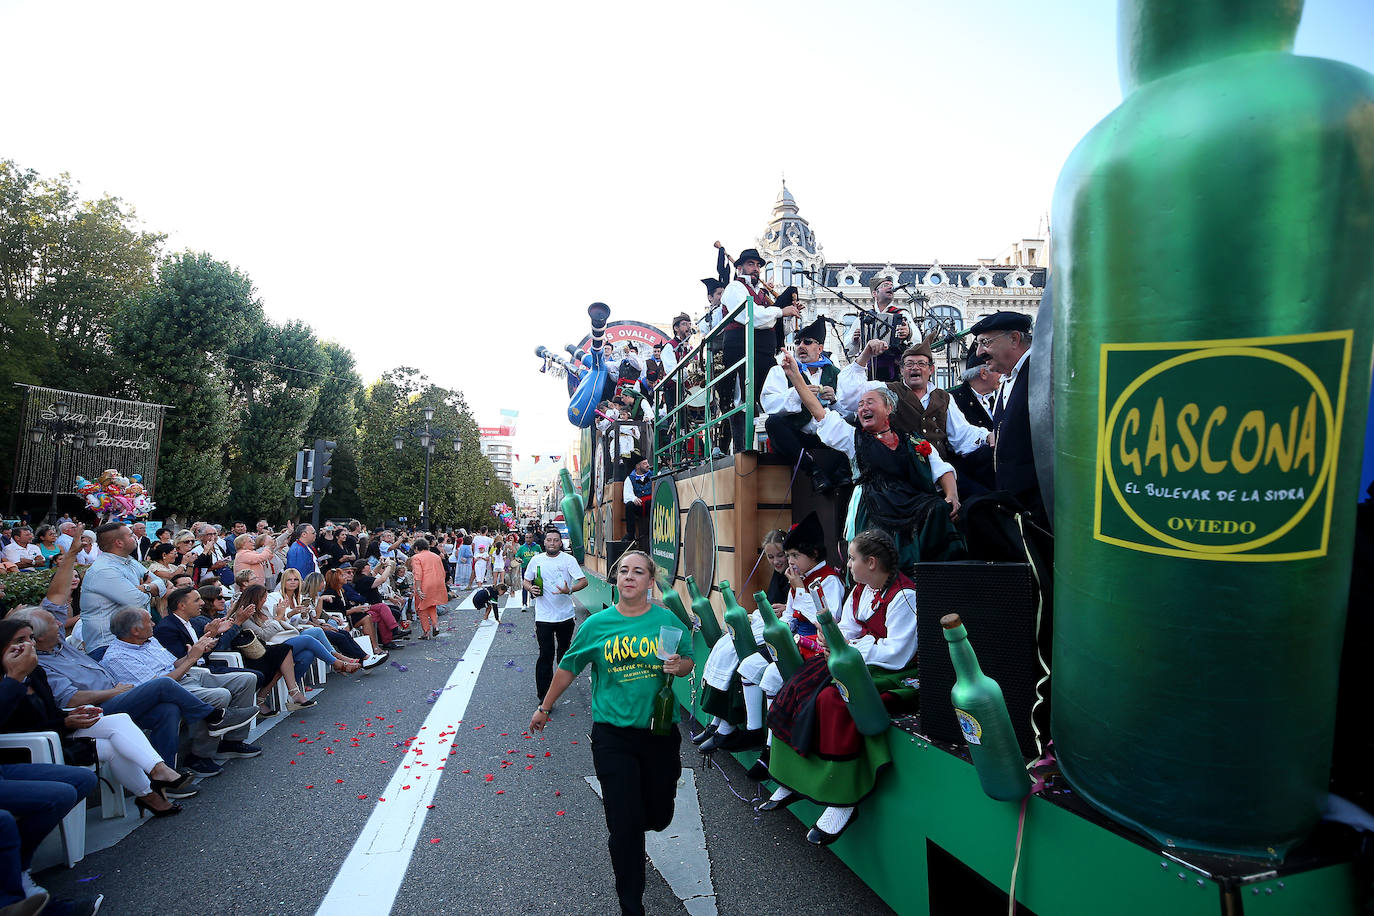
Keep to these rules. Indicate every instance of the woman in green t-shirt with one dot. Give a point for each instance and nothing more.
(638, 770)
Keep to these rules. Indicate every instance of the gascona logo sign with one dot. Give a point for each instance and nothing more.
(1220, 449)
(663, 538)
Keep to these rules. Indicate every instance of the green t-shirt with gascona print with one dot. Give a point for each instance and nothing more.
(626, 669)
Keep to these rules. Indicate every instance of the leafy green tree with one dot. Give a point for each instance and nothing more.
(274, 375)
(336, 417)
(391, 483)
(174, 336)
(67, 268)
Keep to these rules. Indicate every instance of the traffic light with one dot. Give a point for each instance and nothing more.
(324, 460)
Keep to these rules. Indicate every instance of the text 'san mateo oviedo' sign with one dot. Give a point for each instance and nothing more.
(1221, 449)
(664, 532)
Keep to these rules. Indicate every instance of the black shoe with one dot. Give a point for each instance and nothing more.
(226, 720)
(772, 805)
(712, 743)
(205, 769)
(744, 739)
(238, 749)
(759, 771)
(702, 735)
(392, 646)
(76, 906)
(176, 788)
(819, 837)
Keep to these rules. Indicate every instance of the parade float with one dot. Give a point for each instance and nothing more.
(1198, 417)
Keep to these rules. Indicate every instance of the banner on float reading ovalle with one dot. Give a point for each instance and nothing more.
(128, 434)
(637, 333)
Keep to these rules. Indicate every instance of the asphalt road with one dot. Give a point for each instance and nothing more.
(269, 835)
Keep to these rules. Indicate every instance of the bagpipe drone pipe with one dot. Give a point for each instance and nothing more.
(582, 407)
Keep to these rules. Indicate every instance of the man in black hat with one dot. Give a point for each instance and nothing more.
(791, 430)
(674, 352)
(1004, 340)
(977, 391)
(743, 288)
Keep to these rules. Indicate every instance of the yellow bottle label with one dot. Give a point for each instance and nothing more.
(973, 732)
(1221, 449)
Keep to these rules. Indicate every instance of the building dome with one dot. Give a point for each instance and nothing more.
(787, 228)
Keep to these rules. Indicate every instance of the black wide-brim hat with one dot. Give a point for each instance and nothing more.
(815, 331)
(750, 254)
(712, 284)
(1004, 321)
(807, 535)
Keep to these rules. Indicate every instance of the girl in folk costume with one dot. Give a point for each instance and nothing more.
(819, 753)
(804, 548)
(730, 698)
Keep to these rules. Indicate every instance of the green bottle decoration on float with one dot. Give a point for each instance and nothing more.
(1213, 309)
(673, 602)
(777, 635)
(851, 675)
(574, 510)
(983, 718)
(737, 623)
(705, 614)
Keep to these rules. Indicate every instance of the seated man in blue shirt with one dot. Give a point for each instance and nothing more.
(76, 679)
(136, 658)
(115, 580)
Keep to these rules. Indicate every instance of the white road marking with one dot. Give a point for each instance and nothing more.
(679, 853)
(371, 875)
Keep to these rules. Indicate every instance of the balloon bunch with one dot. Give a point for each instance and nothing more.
(505, 513)
(114, 497)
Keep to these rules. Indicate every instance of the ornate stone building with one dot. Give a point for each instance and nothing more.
(950, 297)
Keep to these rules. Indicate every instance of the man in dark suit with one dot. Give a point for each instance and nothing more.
(142, 543)
(1004, 340)
(173, 633)
(976, 395)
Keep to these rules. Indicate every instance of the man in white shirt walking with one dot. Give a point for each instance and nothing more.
(551, 578)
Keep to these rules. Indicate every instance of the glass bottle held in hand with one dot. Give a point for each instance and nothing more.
(661, 722)
(984, 720)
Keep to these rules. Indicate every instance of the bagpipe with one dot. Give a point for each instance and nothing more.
(582, 407)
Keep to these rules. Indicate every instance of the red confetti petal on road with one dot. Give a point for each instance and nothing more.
(381, 761)
(483, 725)
(361, 797)
(467, 771)
(435, 840)
(292, 762)
(548, 753)
(557, 793)
(560, 813)
(338, 780)
(574, 742)
(429, 806)
(530, 767)
(405, 787)
(381, 799)
(489, 777)
(500, 791)
(310, 787)
(531, 756)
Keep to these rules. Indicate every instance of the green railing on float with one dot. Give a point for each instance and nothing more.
(680, 426)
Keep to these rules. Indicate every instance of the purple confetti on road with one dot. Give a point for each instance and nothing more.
(84, 880)
(399, 667)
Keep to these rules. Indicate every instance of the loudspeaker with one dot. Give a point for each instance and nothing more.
(997, 603)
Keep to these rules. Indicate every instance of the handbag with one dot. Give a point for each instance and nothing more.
(248, 645)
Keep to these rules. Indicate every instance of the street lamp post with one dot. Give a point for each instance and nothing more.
(426, 433)
(61, 431)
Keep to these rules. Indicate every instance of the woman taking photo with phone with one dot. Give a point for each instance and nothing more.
(638, 768)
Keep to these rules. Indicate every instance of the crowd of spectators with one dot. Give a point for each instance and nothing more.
(127, 655)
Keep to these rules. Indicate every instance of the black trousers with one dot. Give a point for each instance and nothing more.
(764, 359)
(548, 635)
(788, 441)
(638, 771)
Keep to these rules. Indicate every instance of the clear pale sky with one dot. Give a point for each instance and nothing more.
(449, 185)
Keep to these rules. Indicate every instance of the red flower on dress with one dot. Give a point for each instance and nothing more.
(924, 448)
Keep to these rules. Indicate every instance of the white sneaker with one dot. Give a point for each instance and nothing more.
(31, 887)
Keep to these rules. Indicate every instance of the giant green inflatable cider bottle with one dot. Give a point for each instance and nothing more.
(1213, 284)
